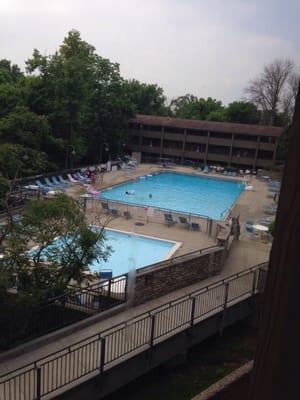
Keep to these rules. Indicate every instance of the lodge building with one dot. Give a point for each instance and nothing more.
(181, 140)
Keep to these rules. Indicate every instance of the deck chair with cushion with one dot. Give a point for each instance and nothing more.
(184, 222)
(114, 212)
(127, 214)
(195, 226)
(169, 219)
(105, 207)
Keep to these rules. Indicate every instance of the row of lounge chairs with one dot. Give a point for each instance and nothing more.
(114, 211)
(263, 221)
(170, 220)
(274, 188)
(58, 183)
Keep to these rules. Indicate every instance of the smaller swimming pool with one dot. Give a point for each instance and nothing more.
(131, 251)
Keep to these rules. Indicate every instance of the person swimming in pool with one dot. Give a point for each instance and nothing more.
(129, 192)
(150, 196)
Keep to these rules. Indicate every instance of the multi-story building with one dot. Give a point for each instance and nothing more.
(227, 144)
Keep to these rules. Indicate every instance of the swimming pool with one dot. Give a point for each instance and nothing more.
(131, 251)
(201, 195)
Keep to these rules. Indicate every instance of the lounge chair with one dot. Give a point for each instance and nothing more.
(62, 180)
(49, 183)
(105, 207)
(184, 222)
(105, 274)
(169, 219)
(71, 179)
(270, 210)
(265, 221)
(114, 212)
(54, 186)
(42, 186)
(195, 226)
(57, 182)
(127, 214)
(83, 178)
(76, 177)
(249, 226)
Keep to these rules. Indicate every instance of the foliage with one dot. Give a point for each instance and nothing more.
(189, 106)
(272, 228)
(49, 268)
(146, 98)
(243, 112)
(17, 160)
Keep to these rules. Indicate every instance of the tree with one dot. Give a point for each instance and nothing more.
(243, 112)
(83, 97)
(289, 96)
(16, 159)
(189, 106)
(146, 98)
(266, 91)
(54, 263)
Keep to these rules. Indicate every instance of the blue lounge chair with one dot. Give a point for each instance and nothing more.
(249, 226)
(49, 183)
(184, 222)
(57, 183)
(42, 186)
(74, 176)
(81, 176)
(62, 180)
(195, 226)
(265, 221)
(169, 219)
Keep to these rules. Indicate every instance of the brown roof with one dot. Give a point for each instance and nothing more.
(225, 127)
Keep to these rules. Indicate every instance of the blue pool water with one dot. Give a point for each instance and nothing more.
(130, 251)
(179, 192)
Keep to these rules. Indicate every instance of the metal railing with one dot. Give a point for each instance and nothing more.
(208, 225)
(75, 304)
(181, 257)
(91, 356)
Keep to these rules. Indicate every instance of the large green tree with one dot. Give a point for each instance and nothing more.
(192, 107)
(243, 112)
(147, 98)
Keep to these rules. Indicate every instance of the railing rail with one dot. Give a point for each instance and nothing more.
(75, 304)
(91, 355)
(181, 257)
(139, 205)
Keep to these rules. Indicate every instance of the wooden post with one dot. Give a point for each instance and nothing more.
(276, 364)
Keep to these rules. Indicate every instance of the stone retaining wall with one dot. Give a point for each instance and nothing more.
(157, 281)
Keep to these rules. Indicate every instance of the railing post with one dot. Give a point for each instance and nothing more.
(222, 324)
(38, 383)
(126, 288)
(109, 287)
(152, 330)
(254, 282)
(102, 355)
(193, 310)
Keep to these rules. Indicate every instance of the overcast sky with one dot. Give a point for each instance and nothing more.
(203, 47)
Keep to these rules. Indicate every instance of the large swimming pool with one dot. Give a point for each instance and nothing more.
(201, 195)
(130, 251)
